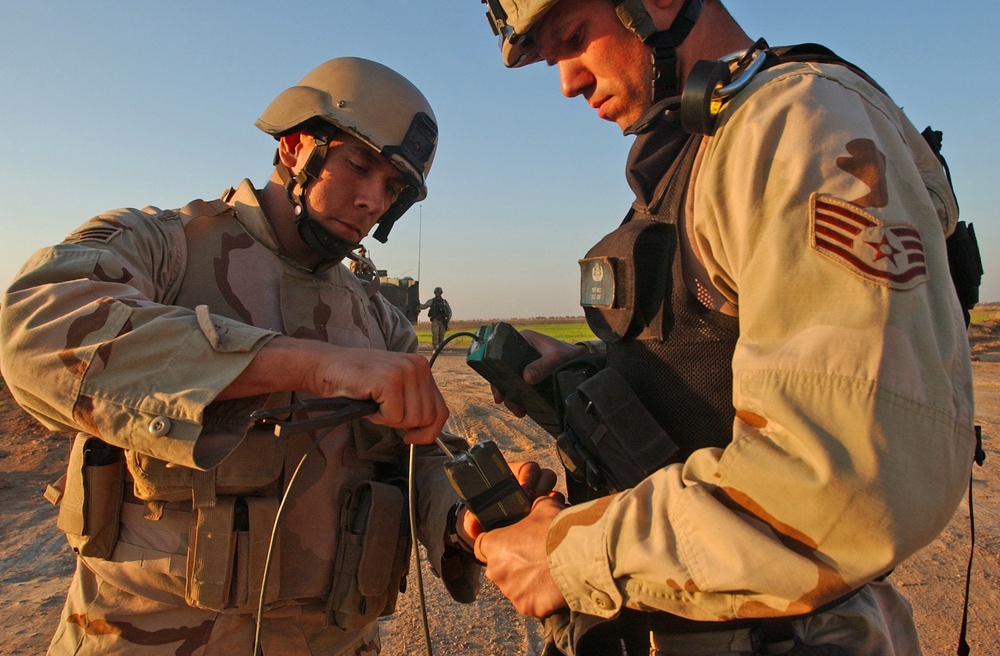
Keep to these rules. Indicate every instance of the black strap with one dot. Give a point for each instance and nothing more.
(980, 458)
(664, 44)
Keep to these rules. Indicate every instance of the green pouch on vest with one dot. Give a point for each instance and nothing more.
(372, 556)
(90, 498)
(611, 441)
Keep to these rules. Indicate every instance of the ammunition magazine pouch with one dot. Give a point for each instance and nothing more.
(372, 556)
(90, 497)
(611, 442)
(227, 541)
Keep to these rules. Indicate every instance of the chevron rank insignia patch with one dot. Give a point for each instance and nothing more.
(887, 255)
(99, 229)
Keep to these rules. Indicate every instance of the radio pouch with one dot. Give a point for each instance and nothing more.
(611, 441)
(372, 556)
(90, 497)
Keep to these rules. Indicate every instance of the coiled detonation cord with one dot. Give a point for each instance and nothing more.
(346, 411)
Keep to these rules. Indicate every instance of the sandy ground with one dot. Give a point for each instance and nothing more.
(35, 563)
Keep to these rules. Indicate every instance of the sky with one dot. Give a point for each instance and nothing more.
(131, 103)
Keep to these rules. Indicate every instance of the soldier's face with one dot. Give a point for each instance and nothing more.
(598, 58)
(353, 189)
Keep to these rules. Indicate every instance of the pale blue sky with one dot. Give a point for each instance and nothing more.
(113, 103)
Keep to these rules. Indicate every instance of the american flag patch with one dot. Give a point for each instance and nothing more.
(888, 255)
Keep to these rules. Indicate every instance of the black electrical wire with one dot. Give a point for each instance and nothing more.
(411, 494)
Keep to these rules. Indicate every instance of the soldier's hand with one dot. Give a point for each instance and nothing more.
(554, 352)
(401, 383)
(535, 480)
(516, 561)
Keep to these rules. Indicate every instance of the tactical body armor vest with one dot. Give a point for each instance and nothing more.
(329, 557)
(672, 351)
(438, 309)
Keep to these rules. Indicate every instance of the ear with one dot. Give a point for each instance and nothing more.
(289, 148)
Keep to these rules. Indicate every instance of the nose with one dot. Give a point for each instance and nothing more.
(373, 196)
(574, 77)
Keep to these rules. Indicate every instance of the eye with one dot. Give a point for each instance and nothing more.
(357, 166)
(575, 41)
(394, 191)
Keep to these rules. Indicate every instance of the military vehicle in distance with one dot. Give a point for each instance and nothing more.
(404, 293)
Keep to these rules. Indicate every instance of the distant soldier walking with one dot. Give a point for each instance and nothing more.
(440, 315)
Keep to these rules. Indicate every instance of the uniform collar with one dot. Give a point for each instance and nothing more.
(658, 141)
(251, 216)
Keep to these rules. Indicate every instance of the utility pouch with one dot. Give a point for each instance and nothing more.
(372, 556)
(611, 441)
(966, 265)
(253, 522)
(90, 501)
(625, 278)
(211, 549)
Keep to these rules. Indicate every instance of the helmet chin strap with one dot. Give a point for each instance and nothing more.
(329, 247)
(633, 14)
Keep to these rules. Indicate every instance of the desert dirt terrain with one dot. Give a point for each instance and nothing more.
(36, 563)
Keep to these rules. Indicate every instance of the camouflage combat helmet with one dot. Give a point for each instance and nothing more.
(371, 102)
(515, 22)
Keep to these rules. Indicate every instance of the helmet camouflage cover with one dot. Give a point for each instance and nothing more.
(514, 21)
(371, 102)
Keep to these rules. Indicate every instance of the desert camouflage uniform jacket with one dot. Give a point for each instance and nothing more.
(817, 212)
(130, 328)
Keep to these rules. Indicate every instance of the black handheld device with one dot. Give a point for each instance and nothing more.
(487, 486)
(499, 353)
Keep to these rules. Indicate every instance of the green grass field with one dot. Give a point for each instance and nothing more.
(985, 312)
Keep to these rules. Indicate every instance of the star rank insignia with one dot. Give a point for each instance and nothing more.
(887, 255)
